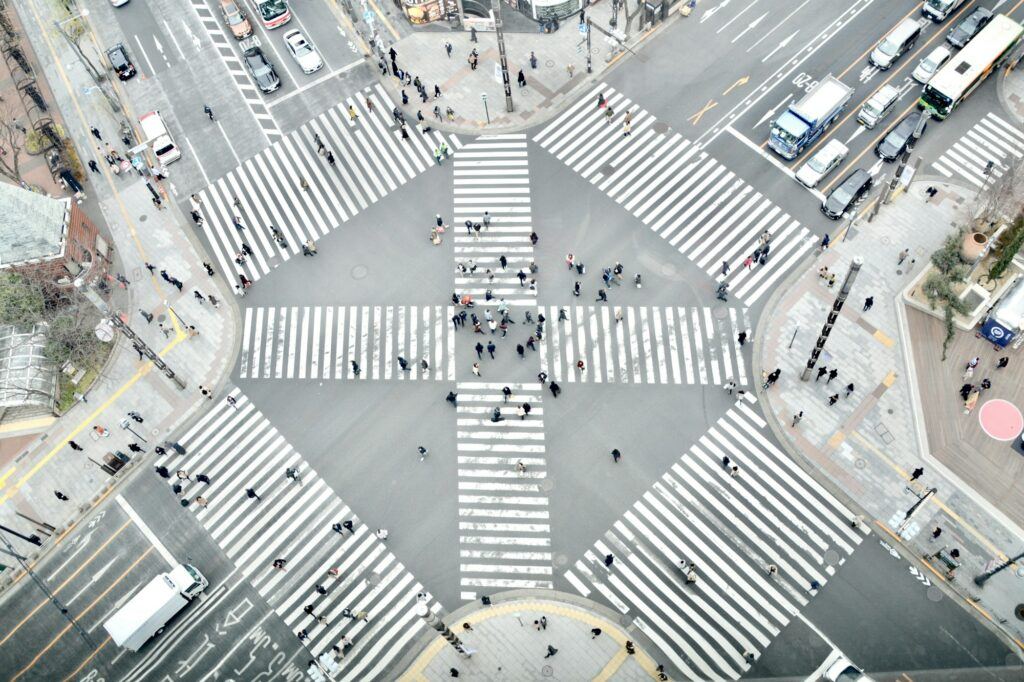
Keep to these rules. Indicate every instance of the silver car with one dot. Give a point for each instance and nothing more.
(305, 55)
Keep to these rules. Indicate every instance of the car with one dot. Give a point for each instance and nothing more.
(118, 3)
(824, 161)
(969, 27)
(303, 51)
(896, 140)
(932, 63)
(261, 69)
(235, 19)
(849, 192)
(838, 668)
(878, 106)
(120, 62)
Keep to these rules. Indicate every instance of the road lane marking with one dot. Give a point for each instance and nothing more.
(150, 535)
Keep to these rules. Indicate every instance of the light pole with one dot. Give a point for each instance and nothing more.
(589, 69)
(980, 580)
(833, 316)
(913, 508)
(434, 621)
(487, 113)
(496, 7)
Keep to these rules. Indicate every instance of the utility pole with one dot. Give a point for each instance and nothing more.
(496, 8)
(980, 580)
(434, 621)
(833, 316)
(913, 508)
(589, 69)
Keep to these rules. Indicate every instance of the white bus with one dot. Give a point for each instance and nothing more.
(971, 66)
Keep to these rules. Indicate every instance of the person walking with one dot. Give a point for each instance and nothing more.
(208, 111)
(616, 455)
(476, 369)
(555, 389)
(491, 348)
(522, 79)
(822, 371)
(551, 651)
(833, 399)
(1003, 362)
(832, 374)
(253, 495)
(903, 256)
(796, 418)
(868, 302)
(741, 338)
(917, 473)
(75, 446)
(849, 389)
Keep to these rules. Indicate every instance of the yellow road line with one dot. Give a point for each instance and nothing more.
(91, 656)
(86, 610)
(88, 561)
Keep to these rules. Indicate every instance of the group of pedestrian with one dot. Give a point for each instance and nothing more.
(832, 374)
(970, 392)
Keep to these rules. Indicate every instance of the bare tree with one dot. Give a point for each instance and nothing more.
(1001, 200)
(13, 137)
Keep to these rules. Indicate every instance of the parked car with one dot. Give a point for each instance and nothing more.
(896, 140)
(969, 27)
(303, 51)
(932, 63)
(824, 161)
(235, 19)
(847, 195)
(261, 69)
(120, 62)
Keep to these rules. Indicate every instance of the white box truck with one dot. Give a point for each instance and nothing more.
(146, 614)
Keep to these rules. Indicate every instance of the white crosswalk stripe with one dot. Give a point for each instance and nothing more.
(700, 207)
(237, 448)
(990, 139)
(731, 529)
(504, 523)
(292, 188)
(321, 342)
(492, 175)
(644, 345)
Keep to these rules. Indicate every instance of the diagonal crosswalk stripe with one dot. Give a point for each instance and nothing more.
(701, 208)
(990, 140)
(338, 582)
(729, 528)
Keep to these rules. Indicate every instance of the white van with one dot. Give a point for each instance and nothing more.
(155, 132)
(895, 44)
(824, 161)
(878, 105)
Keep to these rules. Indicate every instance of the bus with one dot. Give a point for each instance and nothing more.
(272, 13)
(970, 66)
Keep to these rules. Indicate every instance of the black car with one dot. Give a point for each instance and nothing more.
(969, 27)
(261, 69)
(120, 62)
(847, 194)
(895, 141)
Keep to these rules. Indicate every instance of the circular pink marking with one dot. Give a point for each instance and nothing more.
(1001, 419)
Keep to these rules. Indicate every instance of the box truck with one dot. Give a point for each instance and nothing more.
(146, 614)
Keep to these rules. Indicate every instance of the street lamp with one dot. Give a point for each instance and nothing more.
(980, 580)
(434, 621)
(833, 316)
(506, 81)
(913, 508)
(483, 97)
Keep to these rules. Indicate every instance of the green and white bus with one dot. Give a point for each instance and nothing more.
(971, 66)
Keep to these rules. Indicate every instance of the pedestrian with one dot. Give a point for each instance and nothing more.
(491, 348)
(95, 133)
(849, 389)
(423, 452)
(279, 564)
(825, 241)
(521, 79)
(330, 157)
(822, 371)
(206, 392)
(616, 455)
(476, 369)
(773, 570)
(93, 167)
(404, 364)
(833, 399)
(252, 494)
(200, 501)
(521, 350)
(555, 389)
(551, 651)
(208, 111)
(916, 473)
(61, 496)
(936, 533)
(594, 632)
(630, 648)
(608, 559)
(570, 69)
(903, 256)
(734, 472)
(452, 397)
(725, 268)
(75, 446)
(796, 418)
(146, 316)
(135, 447)
(832, 374)
(1003, 362)
(868, 302)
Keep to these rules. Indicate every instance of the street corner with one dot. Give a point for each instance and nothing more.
(533, 638)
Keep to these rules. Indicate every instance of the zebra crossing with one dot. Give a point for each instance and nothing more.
(291, 187)
(322, 342)
(637, 345)
(990, 139)
(492, 176)
(731, 529)
(238, 449)
(504, 522)
(691, 200)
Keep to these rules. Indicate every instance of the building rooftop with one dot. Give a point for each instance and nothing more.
(32, 226)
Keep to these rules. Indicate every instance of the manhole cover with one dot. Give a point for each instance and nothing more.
(660, 127)
(885, 240)
(143, 217)
(889, 411)
(831, 557)
(934, 594)
(720, 312)
(607, 169)
(547, 485)
(561, 560)
(155, 431)
(859, 463)
(374, 579)
(161, 317)
(359, 272)
(899, 272)
(549, 63)
(547, 671)
(1019, 611)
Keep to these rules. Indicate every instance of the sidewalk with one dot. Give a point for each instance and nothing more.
(139, 233)
(867, 445)
(506, 644)
(423, 54)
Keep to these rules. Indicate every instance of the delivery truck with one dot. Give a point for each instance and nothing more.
(146, 614)
(804, 121)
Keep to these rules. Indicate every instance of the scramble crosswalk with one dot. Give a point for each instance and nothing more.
(679, 191)
(296, 190)
(991, 139)
(239, 451)
(637, 345)
(731, 530)
(504, 522)
(322, 342)
(492, 177)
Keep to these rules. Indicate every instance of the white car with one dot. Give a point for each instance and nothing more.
(932, 63)
(824, 161)
(840, 669)
(303, 51)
